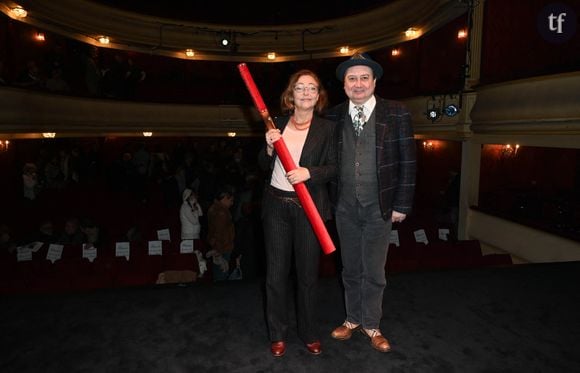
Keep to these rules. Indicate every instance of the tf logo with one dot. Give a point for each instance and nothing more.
(557, 23)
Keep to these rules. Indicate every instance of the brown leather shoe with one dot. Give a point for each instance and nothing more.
(314, 348)
(278, 348)
(344, 332)
(378, 342)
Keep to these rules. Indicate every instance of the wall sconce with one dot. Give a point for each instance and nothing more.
(509, 151)
(428, 145)
(395, 52)
(39, 36)
(461, 34)
(344, 50)
(189, 52)
(231, 134)
(4, 145)
(19, 12)
(147, 134)
(271, 56)
(49, 135)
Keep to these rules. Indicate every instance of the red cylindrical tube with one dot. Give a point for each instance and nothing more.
(280, 146)
(247, 77)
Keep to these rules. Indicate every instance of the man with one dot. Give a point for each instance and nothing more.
(376, 183)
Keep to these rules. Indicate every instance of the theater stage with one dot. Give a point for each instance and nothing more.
(511, 319)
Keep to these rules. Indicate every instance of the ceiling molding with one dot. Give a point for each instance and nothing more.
(28, 112)
(85, 21)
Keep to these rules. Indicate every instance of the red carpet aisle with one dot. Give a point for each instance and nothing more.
(510, 319)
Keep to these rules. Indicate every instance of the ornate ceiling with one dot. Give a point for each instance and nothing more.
(248, 12)
(379, 25)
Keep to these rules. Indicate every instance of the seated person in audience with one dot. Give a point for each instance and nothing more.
(72, 233)
(2, 79)
(91, 232)
(30, 183)
(7, 244)
(134, 233)
(56, 82)
(45, 233)
(30, 76)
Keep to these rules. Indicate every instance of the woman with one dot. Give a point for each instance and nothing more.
(287, 231)
(189, 216)
(221, 233)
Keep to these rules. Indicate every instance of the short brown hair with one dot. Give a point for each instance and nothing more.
(287, 98)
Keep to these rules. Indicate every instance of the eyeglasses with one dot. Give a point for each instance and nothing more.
(301, 88)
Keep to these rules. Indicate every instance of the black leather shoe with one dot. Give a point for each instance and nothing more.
(314, 348)
(278, 348)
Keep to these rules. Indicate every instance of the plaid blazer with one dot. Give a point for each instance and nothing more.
(395, 154)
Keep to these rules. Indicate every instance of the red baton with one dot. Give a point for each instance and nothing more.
(288, 163)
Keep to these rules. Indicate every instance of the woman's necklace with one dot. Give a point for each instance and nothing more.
(300, 126)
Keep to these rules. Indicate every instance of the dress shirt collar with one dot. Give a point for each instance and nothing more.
(369, 106)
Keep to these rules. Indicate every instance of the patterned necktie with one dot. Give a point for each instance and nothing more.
(359, 119)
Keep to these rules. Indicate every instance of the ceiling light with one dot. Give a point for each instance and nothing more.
(19, 12)
(271, 56)
(344, 50)
(104, 39)
(147, 134)
(189, 52)
(232, 134)
(49, 135)
(412, 33)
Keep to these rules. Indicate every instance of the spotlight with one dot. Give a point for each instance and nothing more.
(433, 114)
(225, 39)
(451, 110)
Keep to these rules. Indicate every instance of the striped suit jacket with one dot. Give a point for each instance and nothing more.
(318, 155)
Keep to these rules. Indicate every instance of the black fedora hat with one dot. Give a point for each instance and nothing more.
(356, 60)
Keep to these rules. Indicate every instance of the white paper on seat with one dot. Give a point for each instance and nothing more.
(123, 249)
(394, 238)
(23, 254)
(35, 246)
(163, 235)
(54, 252)
(421, 236)
(201, 261)
(443, 234)
(89, 252)
(155, 248)
(186, 247)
